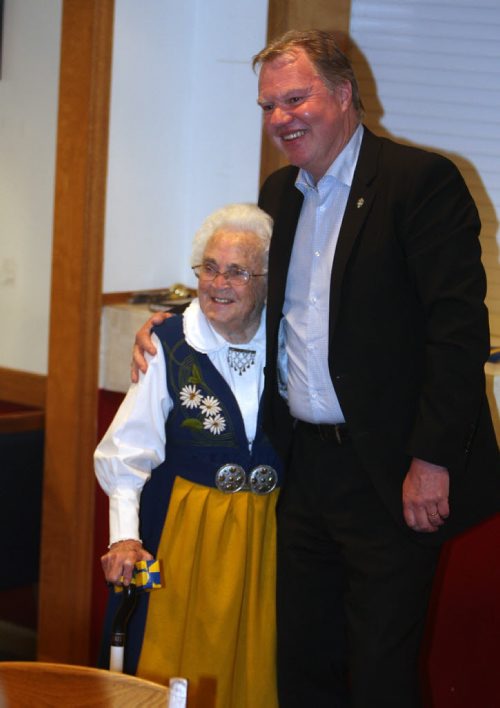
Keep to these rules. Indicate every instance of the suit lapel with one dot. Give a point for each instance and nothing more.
(357, 210)
(281, 247)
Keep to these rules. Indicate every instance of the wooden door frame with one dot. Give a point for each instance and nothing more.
(72, 381)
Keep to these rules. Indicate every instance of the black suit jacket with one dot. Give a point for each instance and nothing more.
(408, 328)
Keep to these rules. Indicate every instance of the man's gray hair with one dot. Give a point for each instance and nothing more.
(332, 65)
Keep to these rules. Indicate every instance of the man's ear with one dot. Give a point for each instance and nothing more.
(344, 92)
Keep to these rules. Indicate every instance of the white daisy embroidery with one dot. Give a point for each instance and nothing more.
(215, 425)
(190, 396)
(210, 406)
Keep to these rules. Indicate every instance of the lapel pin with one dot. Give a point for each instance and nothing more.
(360, 202)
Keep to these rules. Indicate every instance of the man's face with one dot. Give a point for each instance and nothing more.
(233, 310)
(307, 121)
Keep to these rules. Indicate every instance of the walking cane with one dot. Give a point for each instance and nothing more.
(119, 628)
(146, 576)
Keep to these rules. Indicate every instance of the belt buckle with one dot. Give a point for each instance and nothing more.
(329, 432)
(232, 478)
(263, 479)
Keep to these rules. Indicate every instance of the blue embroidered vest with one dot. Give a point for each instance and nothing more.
(204, 430)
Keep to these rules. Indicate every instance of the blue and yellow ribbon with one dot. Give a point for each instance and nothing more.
(146, 576)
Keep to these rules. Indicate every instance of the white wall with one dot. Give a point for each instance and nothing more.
(184, 134)
(28, 117)
(436, 71)
(184, 140)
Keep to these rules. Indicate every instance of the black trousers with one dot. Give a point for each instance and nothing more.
(353, 588)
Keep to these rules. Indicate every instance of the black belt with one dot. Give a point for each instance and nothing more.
(337, 433)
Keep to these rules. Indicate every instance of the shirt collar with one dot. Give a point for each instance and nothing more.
(200, 334)
(341, 169)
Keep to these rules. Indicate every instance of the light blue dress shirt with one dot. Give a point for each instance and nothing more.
(310, 392)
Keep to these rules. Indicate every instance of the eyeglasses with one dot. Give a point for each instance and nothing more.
(233, 275)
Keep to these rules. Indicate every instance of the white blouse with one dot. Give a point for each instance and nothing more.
(135, 443)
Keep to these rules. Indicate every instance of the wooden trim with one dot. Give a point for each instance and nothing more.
(117, 298)
(71, 407)
(284, 15)
(22, 387)
(21, 421)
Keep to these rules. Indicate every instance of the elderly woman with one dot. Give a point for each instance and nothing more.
(193, 481)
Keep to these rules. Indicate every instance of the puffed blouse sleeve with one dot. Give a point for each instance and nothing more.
(133, 446)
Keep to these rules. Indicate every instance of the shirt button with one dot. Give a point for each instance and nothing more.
(316, 253)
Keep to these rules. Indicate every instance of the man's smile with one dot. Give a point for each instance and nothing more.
(293, 136)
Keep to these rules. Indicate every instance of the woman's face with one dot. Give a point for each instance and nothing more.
(233, 310)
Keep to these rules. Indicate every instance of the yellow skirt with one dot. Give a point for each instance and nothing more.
(213, 621)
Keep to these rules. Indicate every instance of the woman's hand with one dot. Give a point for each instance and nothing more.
(118, 563)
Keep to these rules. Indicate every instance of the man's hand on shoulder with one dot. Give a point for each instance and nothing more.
(143, 343)
(425, 496)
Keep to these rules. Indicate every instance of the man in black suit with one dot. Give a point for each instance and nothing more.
(376, 283)
(377, 335)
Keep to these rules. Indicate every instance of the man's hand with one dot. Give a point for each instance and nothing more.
(118, 563)
(425, 496)
(143, 343)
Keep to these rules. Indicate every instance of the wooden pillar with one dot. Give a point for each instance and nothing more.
(301, 14)
(69, 484)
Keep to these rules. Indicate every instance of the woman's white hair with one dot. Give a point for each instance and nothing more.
(240, 217)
